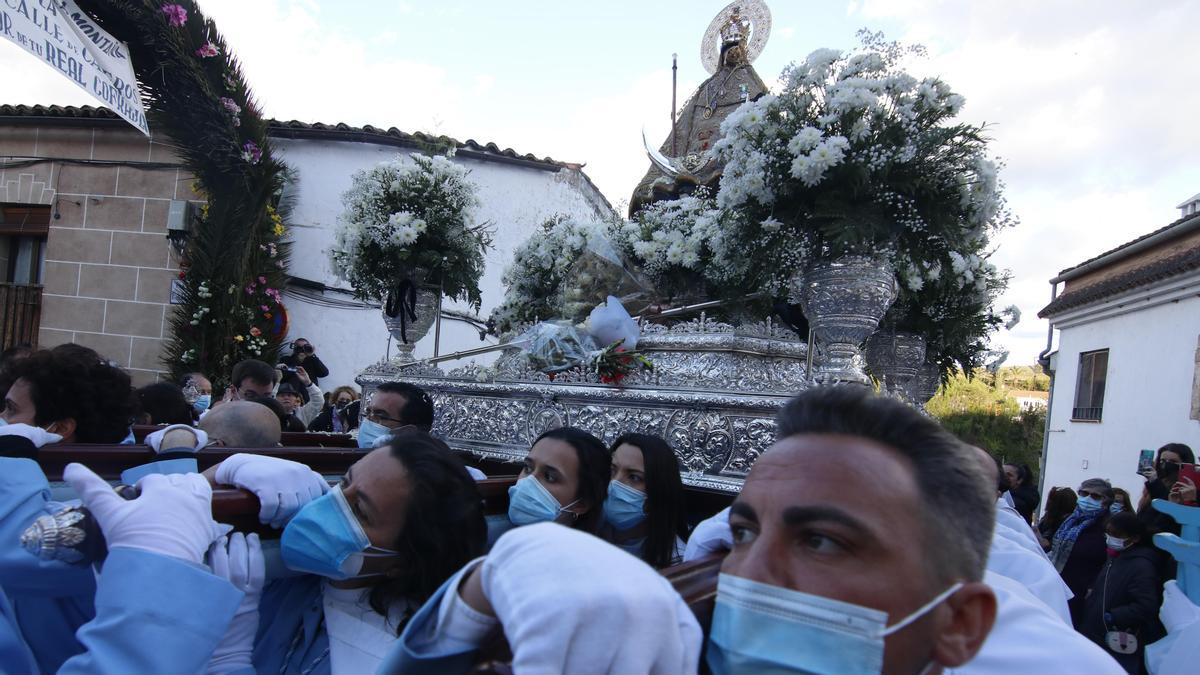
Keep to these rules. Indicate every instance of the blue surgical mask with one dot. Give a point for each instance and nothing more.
(530, 502)
(1116, 507)
(326, 539)
(3, 422)
(1089, 504)
(760, 628)
(370, 433)
(625, 507)
(202, 402)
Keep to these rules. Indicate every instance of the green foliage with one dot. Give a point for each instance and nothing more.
(982, 411)
(235, 262)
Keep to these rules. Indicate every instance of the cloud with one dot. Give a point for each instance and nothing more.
(1090, 110)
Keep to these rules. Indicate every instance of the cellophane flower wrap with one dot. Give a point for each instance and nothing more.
(401, 217)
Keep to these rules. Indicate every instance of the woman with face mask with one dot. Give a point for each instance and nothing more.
(643, 512)
(368, 552)
(1121, 612)
(337, 418)
(1078, 548)
(564, 480)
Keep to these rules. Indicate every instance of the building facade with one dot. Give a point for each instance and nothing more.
(1126, 372)
(85, 202)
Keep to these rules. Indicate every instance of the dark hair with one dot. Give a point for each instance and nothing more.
(1127, 503)
(72, 381)
(1128, 524)
(7, 358)
(164, 403)
(1060, 503)
(418, 405)
(1024, 474)
(665, 519)
(595, 469)
(957, 510)
(444, 527)
(276, 407)
(1185, 453)
(257, 371)
(14, 353)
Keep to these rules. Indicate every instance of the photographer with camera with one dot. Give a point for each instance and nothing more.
(303, 355)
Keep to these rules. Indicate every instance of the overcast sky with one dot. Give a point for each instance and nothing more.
(1092, 105)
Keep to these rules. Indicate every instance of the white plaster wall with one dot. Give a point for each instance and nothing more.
(1147, 400)
(514, 200)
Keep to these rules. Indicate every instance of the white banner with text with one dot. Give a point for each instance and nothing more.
(59, 34)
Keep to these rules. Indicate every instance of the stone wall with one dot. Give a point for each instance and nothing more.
(109, 264)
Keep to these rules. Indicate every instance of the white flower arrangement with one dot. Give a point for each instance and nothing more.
(856, 155)
(403, 220)
(539, 267)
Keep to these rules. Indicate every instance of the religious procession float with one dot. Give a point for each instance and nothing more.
(834, 231)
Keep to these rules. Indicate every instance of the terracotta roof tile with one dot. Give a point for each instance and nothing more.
(298, 128)
(1135, 278)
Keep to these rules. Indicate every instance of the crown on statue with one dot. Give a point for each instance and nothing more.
(736, 29)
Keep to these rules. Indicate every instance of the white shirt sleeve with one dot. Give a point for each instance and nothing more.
(458, 621)
(316, 401)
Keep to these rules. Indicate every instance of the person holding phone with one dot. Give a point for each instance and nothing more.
(1160, 479)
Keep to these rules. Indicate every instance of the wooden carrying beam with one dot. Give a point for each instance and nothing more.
(239, 508)
(110, 460)
(289, 439)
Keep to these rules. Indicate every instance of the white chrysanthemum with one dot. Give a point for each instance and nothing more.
(804, 141)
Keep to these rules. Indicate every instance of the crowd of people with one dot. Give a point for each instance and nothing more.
(867, 539)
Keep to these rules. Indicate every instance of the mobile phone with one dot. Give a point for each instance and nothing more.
(1189, 471)
(1145, 461)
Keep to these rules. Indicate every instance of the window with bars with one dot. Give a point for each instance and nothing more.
(1089, 390)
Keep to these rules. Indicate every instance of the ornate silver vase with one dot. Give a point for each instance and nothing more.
(844, 300)
(895, 359)
(929, 380)
(406, 326)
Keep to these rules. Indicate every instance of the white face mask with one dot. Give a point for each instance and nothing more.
(1116, 543)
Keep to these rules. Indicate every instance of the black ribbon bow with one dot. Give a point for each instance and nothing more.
(403, 302)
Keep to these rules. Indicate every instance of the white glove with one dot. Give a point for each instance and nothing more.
(154, 440)
(1177, 610)
(561, 625)
(38, 435)
(282, 486)
(238, 558)
(171, 517)
(710, 536)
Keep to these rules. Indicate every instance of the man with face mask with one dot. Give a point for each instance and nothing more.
(828, 573)
(197, 389)
(392, 406)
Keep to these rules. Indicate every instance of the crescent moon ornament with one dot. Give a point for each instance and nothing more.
(749, 20)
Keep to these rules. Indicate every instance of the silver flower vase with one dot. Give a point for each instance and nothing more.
(929, 380)
(415, 314)
(895, 359)
(844, 300)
